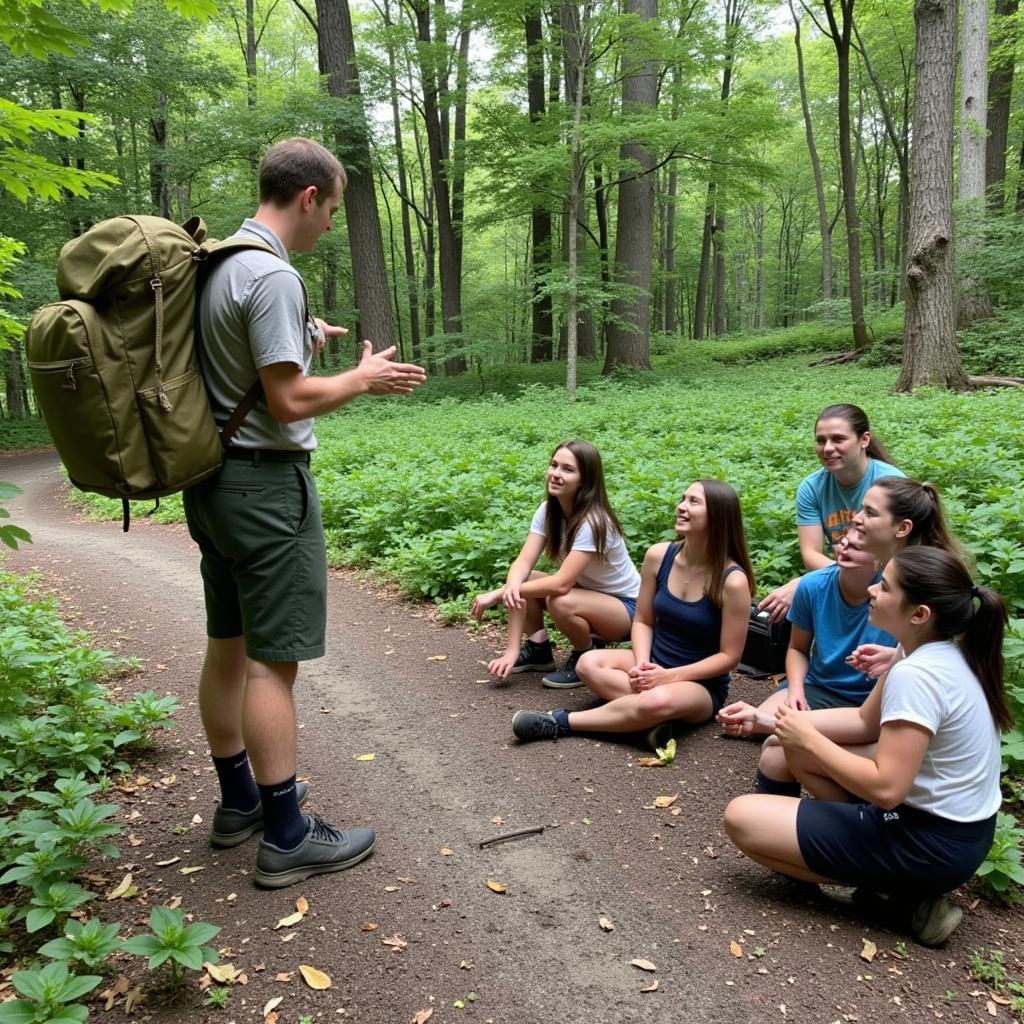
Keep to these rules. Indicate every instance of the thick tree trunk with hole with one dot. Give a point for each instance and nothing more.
(1000, 88)
(930, 354)
(629, 336)
(972, 302)
(542, 322)
(369, 272)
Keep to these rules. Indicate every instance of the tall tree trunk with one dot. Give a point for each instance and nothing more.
(718, 310)
(369, 271)
(540, 218)
(972, 302)
(451, 286)
(704, 267)
(759, 290)
(669, 316)
(159, 172)
(824, 225)
(458, 155)
(629, 337)
(13, 381)
(603, 244)
(841, 35)
(1000, 88)
(930, 354)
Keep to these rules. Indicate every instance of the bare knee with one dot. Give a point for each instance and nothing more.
(740, 818)
(773, 760)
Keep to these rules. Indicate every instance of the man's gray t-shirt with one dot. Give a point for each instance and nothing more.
(252, 313)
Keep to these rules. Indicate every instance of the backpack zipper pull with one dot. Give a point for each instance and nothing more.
(70, 384)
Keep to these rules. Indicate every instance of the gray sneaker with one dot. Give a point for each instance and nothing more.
(324, 849)
(934, 921)
(564, 678)
(231, 827)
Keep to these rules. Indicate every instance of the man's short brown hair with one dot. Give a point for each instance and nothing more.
(294, 164)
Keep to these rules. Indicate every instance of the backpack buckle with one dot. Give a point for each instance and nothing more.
(155, 283)
(199, 255)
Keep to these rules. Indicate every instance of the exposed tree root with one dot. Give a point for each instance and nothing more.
(842, 357)
(996, 382)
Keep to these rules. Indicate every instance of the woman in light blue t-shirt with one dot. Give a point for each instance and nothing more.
(852, 459)
(594, 589)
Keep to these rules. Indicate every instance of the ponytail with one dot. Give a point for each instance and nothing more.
(921, 504)
(857, 419)
(939, 579)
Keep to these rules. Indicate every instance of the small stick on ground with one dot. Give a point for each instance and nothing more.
(532, 830)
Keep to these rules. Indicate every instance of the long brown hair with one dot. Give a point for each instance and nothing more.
(857, 420)
(726, 540)
(921, 504)
(590, 505)
(940, 580)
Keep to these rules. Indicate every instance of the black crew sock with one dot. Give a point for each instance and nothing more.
(762, 784)
(561, 716)
(237, 786)
(284, 825)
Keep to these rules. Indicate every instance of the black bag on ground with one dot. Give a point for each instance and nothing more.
(764, 653)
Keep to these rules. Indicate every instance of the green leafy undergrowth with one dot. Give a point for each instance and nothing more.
(26, 434)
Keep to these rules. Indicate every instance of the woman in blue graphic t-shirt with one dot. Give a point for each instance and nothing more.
(852, 459)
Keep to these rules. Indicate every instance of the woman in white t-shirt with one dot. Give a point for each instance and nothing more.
(906, 791)
(594, 589)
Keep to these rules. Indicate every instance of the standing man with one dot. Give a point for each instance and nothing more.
(257, 522)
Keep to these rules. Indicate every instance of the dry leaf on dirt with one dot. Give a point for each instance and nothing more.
(190, 871)
(408, 880)
(735, 948)
(284, 977)
(370, 926)
(1001, 1000)
(272, 1004)
(302, 905)
(119, 988)
(175, 903)
(423, 1016)
(167, 863)
(391, 888)
(134, 999)
(396, 942)
(495, 886)
(314, 978)
(497, 820)
(197, 819)
(289, 936)
(272, 1018)
(665, 801)
(291, 919)
(122, 887)
(445, 852)
(643, 965)
(993, 1010)
(226, 974)
(868, 951)
(653, 987)
(606, 924)
(365, 757)
(649, 762)
(438, 657)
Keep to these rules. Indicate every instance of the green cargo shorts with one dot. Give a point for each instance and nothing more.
(264, 565)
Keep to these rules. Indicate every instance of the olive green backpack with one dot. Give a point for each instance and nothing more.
(113, 364)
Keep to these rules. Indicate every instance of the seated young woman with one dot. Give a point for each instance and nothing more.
(594, 589)
(906, 792)
(852, 459)
(688, 633)
(830, 619)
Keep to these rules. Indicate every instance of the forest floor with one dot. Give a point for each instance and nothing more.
(415, 927)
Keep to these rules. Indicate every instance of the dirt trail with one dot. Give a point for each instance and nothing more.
(445, 765)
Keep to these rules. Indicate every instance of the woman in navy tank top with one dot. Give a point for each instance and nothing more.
(687, 636)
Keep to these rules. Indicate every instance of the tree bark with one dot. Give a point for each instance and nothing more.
(972, 302)
(1000, 88)
(369, 271)
(629, 336)
(930, 354)
(542, 331)
(704, 267)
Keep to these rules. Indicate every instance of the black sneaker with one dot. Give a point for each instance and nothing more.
(934, 920)
(564, 678)
(231, 827)
(324, 849)
(536, 725)
(534, 657)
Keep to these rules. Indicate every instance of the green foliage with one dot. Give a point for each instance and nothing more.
(86, 945)
(993, 346)
(1002, 871)
(218, 996)
(23, 434)
(50, 994)
(173, 941)
(10, 534)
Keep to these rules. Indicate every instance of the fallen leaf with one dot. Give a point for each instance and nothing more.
(391, 888)
(175, 903)
(290, 920)
(272, 1018)
(438, 657)
(422, 1016)
(993, 1010)
(735, 948)
(313, 978)
(1001, 1000)
(272, 1004)
(665, 801)
(167, 863)
(302, 905)
(606, 924)
(868, 951)
(190, 871)
(495, 886)
(122, 887)
(370, 926)
(119, 988)
(649, 762)
(709, 852)
(226, 974)
(653, 987)
(643, 965)
(396, 942)
(459, 1004)
(284, 978)
(466, 965)
(134, 999)
(289, 936)
(134, 840)
(197, 819)
(409, 880)
(326, 711)
(365, 757)
(445, 852)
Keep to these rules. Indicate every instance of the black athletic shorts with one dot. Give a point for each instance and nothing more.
(901, 850)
